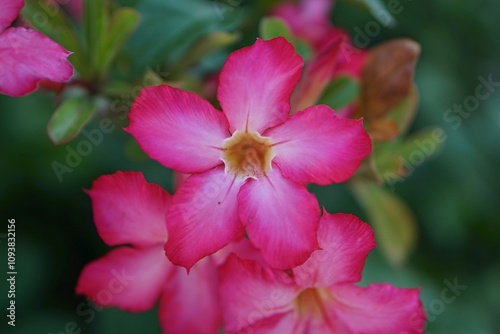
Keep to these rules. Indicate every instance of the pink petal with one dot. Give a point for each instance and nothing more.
(317, 146)
(256, 83)
(203, 217)
(128, 278)
(190, 303)
(254, 298)
(10, 11)
(308, 19)
(128, 210)
(377, 309)
(75, 8)
(179, 179)
(318, 73)
(242, 248)
(27, 58)
(281, 219)
(351, 59)
(179, 129)
(345, 242)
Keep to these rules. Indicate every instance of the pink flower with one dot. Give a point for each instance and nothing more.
(130, 211)
(319, 296)
(251, 161)
(333, 52)
(27, 56)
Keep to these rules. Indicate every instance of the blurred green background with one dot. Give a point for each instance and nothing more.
(455, 196)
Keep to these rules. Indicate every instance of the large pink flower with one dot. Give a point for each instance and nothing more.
(130, 213)
(319, 296)
(250, 162)
(27, 56)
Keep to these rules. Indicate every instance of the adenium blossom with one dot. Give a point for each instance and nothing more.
(319, 296)
(250, 163)
(129, 214)
(310, 19)
(333, 53)
(27, 56)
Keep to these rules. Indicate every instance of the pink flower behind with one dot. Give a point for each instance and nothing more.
(129, 213)
(333, 53)
(320, 296)
(27, 56)
(250, 163)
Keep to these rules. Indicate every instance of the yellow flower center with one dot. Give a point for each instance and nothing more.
(311, 302)
(247, 154)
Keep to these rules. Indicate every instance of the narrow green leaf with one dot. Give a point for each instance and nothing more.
(123, 22)
(392, 221)
(272, 27)
(340, 92)
(70, 118)
(95, 20)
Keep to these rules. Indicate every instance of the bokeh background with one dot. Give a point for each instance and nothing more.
(455, 196)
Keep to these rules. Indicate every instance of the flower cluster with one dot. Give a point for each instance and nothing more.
(260, 255)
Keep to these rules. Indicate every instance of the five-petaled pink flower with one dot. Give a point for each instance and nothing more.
(250, 163)
(27, 56)
(319, 296)
(130, 213)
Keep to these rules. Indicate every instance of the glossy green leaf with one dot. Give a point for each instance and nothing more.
(377, 8)
(392, 221)
(70, 118)
(340, 92)
(395, 160)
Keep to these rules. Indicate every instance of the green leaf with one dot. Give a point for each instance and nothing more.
(123, 22)
(377, 8)
(206, 46)
(168, 29)
(392, 221)
(340, 92)
(95, 22)
(70, 118)
(395, 160)
(52, 21)
(272, 27)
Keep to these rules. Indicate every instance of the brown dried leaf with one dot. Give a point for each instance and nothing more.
(387, 77)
